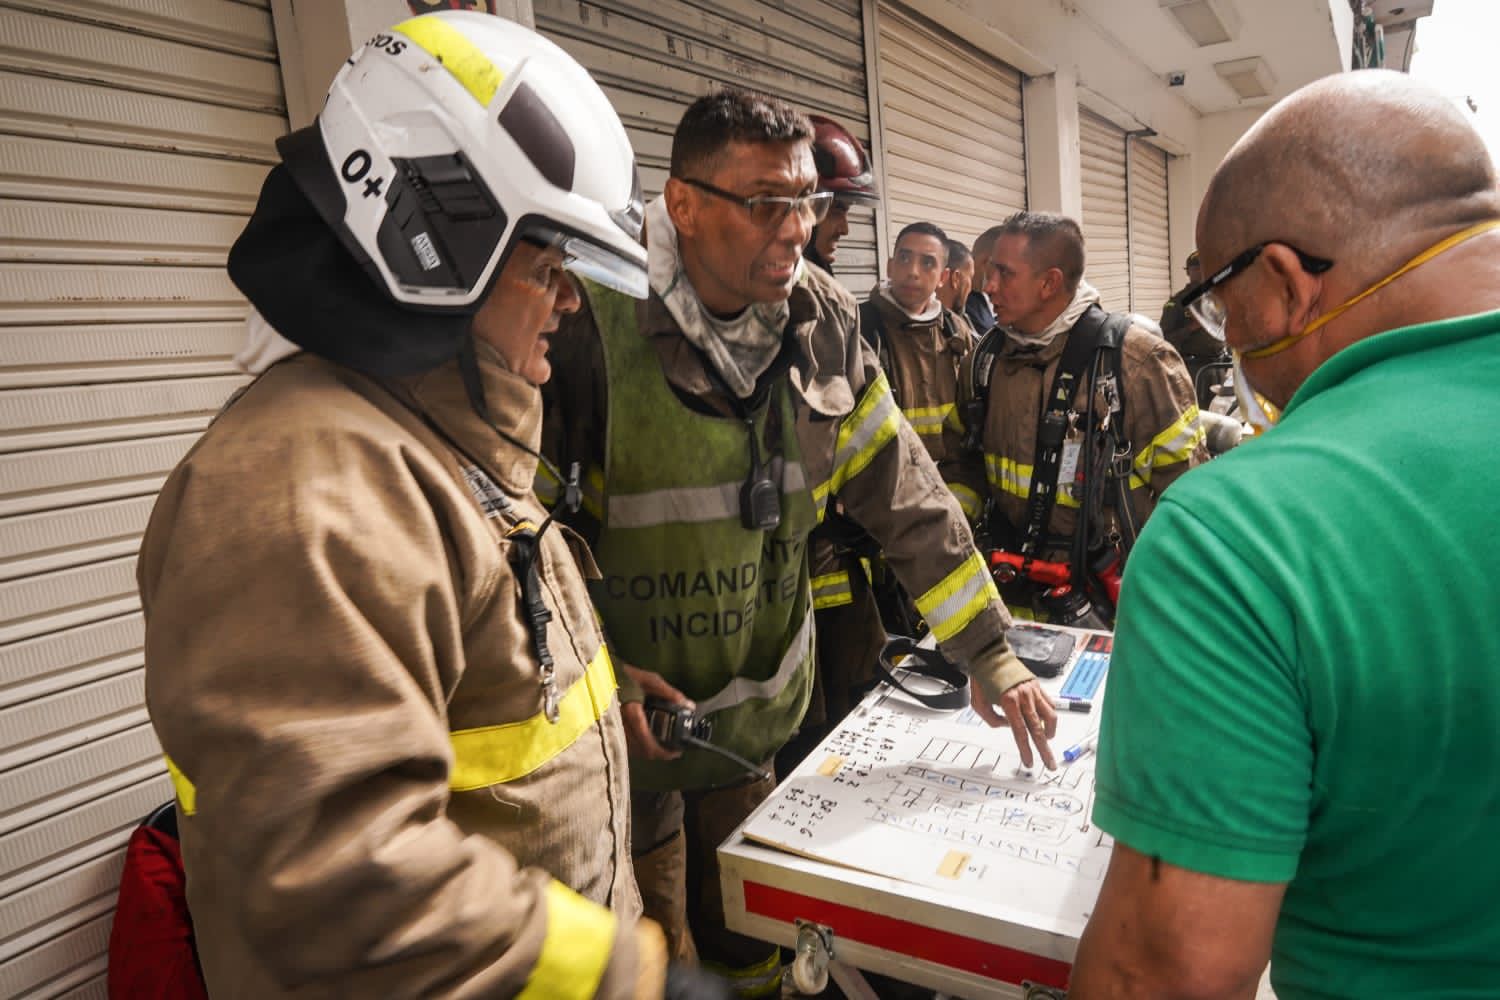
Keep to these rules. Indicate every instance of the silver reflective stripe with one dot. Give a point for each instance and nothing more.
(971, 589)
(742, 689)
(694, 504)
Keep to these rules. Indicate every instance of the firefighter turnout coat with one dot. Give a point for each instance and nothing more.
(373, 798)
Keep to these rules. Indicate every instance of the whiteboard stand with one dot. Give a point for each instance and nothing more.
(977, 940)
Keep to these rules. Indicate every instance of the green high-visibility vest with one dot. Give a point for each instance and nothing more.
(719, 610)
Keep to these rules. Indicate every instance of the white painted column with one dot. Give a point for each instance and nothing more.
(1054, 178)
(1182, 212)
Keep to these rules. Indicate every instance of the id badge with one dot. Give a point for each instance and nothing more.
(1067, 466)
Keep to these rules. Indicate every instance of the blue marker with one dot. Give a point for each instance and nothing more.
(1081, 748)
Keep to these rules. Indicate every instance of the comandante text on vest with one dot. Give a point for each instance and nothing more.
(713, 583)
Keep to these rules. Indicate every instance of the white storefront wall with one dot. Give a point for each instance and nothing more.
(133, 140)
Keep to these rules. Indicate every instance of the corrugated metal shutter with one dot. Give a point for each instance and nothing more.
(950, 157)
(133, 139)
(1150, 247)
(1105, 226)
(654, 57)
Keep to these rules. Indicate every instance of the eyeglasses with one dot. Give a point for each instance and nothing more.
(768, 211)
(1203, 300)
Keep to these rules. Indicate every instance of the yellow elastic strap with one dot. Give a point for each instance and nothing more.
(576, 950)
(1442, 246)
(970, 585)
(187, 795)
(459, 56)
(493, 755)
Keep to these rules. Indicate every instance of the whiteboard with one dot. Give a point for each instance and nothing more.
(941, 800)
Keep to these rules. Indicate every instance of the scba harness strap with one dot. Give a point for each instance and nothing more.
(1095, 344)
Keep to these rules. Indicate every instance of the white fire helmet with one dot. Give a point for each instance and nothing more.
(452, 137)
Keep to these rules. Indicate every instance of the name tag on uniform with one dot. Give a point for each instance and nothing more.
(1067, 466)
(488, 495)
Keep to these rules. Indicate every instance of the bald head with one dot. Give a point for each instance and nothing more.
(1361, 168)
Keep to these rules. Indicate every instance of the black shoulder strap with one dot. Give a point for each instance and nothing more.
(974, 387)
(950, 324)
(872, 329)
(928, 663)
(1084, 339)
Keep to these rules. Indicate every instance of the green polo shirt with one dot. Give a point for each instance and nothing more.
(1306, 679)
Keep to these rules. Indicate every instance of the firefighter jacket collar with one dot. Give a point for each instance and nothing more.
(515, 405)
(931, 312)
(1018, 343)
(821, 383)
(741, 348)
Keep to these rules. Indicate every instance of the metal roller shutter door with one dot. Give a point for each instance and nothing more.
(950, 159)
(134, 135)
(1150, 247)
(655, 58)
(1105, 223)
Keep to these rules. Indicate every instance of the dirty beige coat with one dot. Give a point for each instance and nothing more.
(372, 803)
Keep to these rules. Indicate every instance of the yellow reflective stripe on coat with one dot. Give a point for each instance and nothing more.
(752, 982)
(460, 57)
(187, 795)
(593, 492)
(967, 499)
(1006, 475)
(957, 600)
(576, 950)
(547, 489)
(930, 420)
(495, 754)
(832, 590)
(545, 485)
(874, 422)
(492, 755)
(1173, 445)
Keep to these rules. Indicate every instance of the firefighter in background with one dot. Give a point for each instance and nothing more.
(715, 422)
(1198, 347)
(953, 291)
(1084, 418)
(389, 715)
(922, 345)
(844, 171)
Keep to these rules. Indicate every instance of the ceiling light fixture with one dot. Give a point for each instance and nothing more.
(1207, 22)
(1248, 77)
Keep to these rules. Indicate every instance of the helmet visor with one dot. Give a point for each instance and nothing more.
(606, 265)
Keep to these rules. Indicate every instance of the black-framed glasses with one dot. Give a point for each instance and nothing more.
(1203, 301)
(767, 210)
